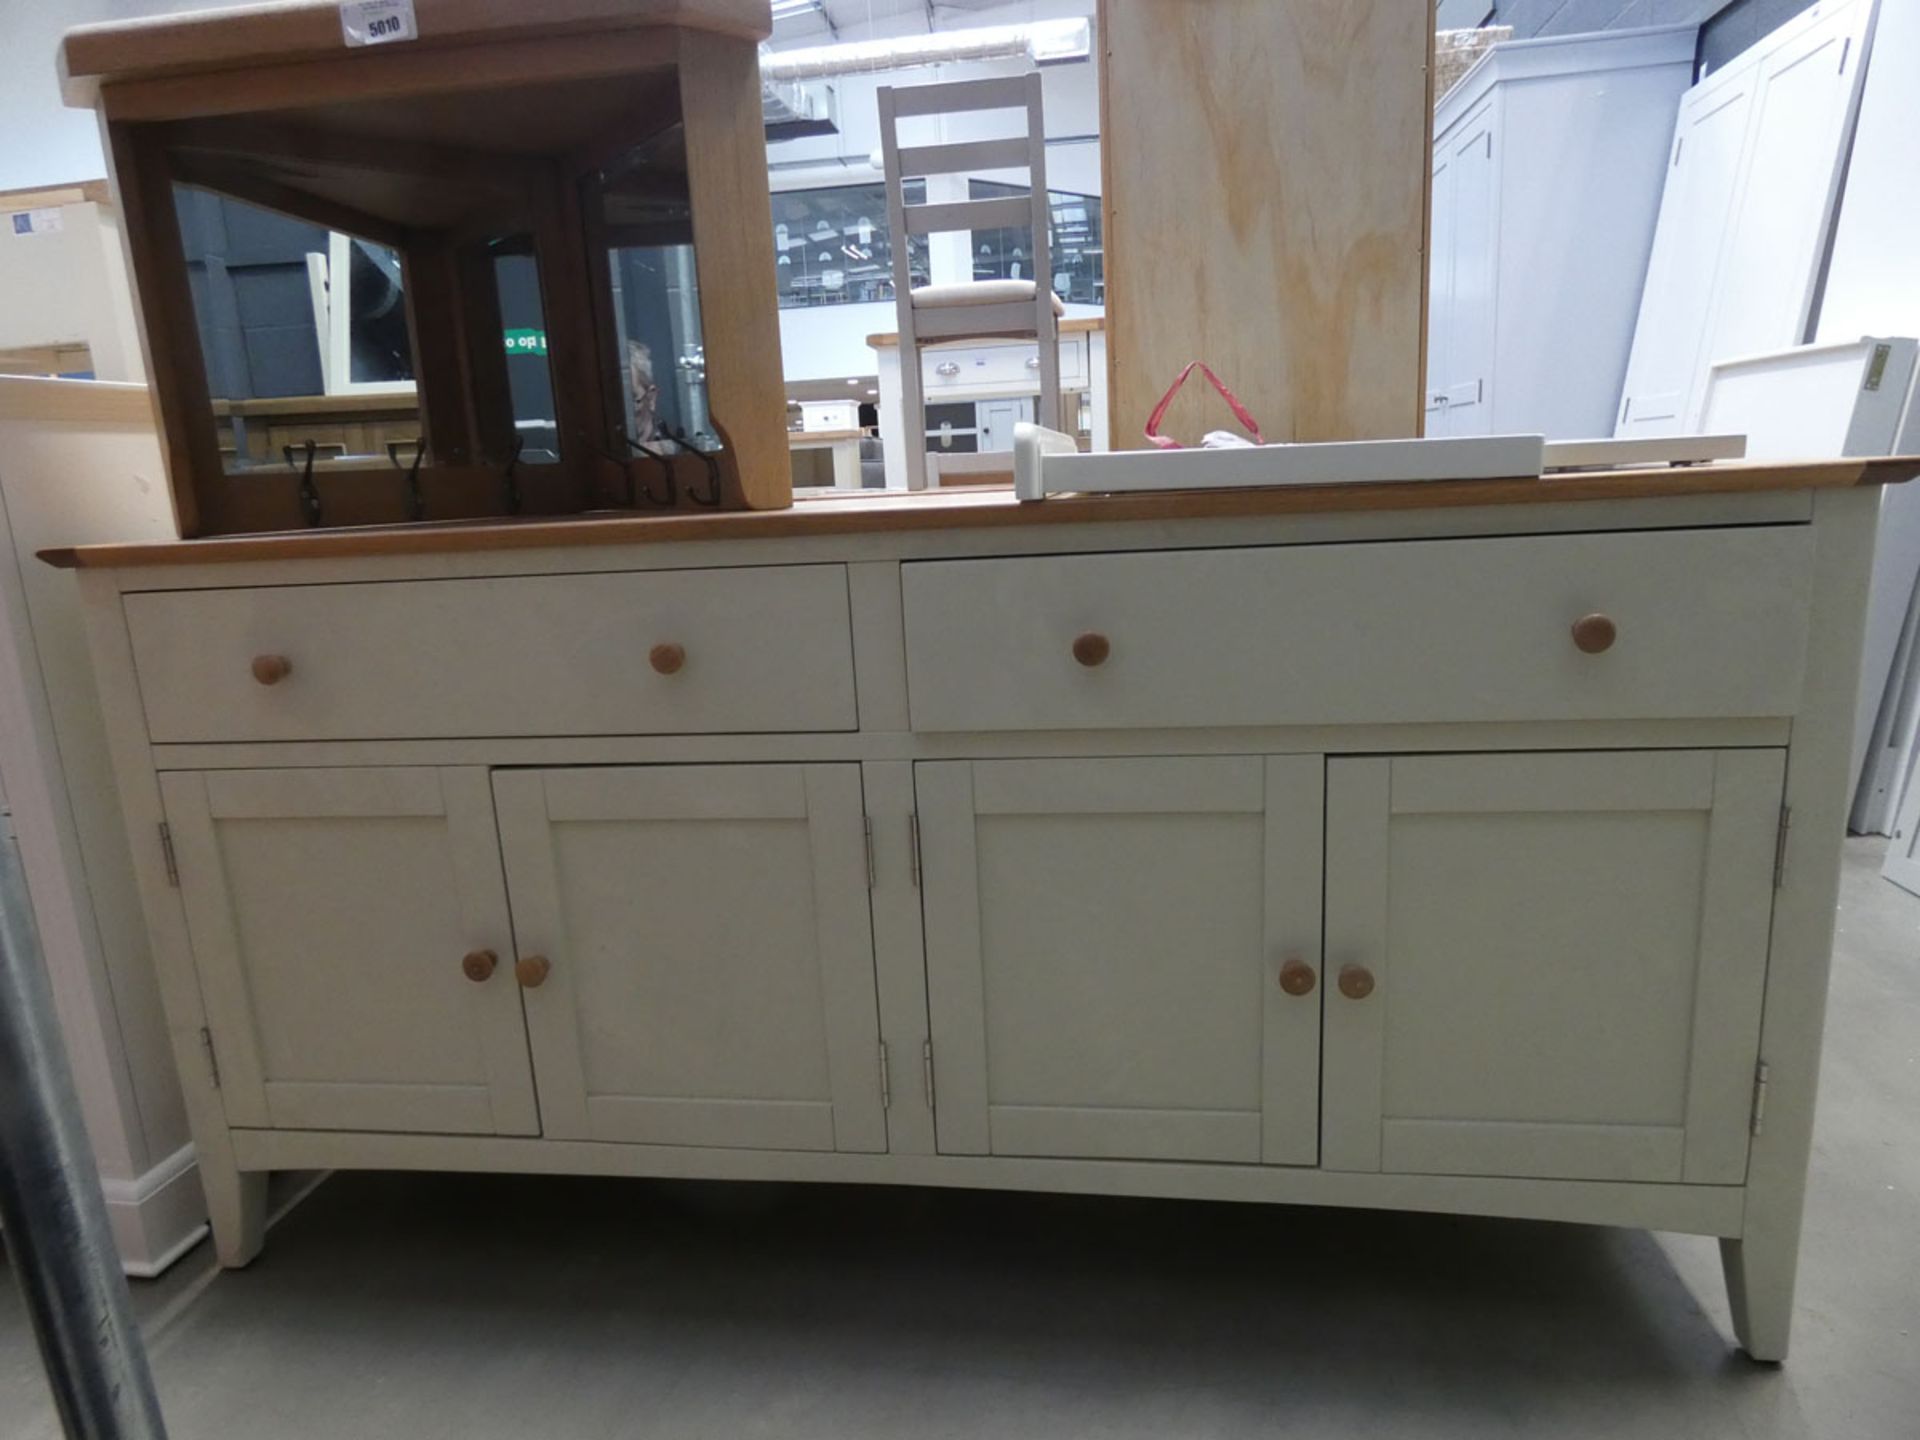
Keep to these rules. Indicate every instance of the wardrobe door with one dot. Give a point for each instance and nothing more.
(1474, 242)
(1784, 207)
(1439, 290)
(1675, 303)
(1759, 154)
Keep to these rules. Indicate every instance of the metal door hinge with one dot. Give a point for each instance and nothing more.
(868, 819)
(166, 854)
(1759, 1096)
(1780, 847)
(1877, 367)
(913, 846)
(213, 1058)
(886, 1079)
(926, 1059)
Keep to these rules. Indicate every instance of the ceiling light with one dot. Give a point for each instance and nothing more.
(1044, 42)
(787, 9)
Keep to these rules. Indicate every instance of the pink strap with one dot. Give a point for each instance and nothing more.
(1166, 442)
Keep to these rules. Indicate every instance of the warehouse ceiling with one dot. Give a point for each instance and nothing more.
(848, 20)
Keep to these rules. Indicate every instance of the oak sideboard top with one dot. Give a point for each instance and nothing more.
(855, 513)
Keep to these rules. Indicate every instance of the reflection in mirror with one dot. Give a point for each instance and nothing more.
(304, 335)
(523, 322)
(664, 366)
(367, 310)
(642, 207)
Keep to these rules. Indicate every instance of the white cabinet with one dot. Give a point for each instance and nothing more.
(1759, 152)
(333, 915)
(1105, 948)
(1597, 924)
(1424, 859)
(1461, 374)
(1546, 181)
(702, 953)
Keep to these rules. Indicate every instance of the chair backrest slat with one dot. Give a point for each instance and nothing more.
(1007, 212)
(954, 96)
(1011, 154)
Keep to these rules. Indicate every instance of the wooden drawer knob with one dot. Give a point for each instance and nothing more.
(532, 970)
(478, 965)
(1356, 982)
(667, 659)
(1297, 977)
(1595, 633)
(271, 669)
(1092, 649)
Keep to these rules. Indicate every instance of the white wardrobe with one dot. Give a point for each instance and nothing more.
(1547, 167)
(1759, 153)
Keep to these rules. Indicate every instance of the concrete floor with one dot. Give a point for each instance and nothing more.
(477, 1307)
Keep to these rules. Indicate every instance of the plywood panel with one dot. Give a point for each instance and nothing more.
(1266, 211)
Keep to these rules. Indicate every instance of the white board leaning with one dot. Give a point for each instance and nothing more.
(1046, 462)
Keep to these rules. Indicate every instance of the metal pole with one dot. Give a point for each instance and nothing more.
(50, 1201)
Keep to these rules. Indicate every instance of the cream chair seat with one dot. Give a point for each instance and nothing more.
(979, 292)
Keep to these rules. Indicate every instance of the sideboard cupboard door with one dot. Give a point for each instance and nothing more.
(711, 953)
(1105, 945)
(1567, 955)
(332, 914)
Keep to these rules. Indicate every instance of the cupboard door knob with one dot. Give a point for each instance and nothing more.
(532, 971)
(1595, 633)
(1297, 977)
(667, 659)
(1092, 649)
(479, 964)
(271, 669)
(1356, 982)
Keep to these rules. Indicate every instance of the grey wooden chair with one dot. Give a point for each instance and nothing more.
(979, 309)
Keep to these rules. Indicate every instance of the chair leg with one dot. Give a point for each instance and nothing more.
(913, 417)
(1050, 384)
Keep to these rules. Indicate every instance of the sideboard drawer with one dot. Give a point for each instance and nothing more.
(661, 653)
(1707, 624)
(958, 367)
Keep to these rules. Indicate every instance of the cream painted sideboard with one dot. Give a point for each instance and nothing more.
(1454, 848)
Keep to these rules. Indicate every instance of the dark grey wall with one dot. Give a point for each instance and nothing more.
(1725, 28)
(248, 270)
(1739, 25)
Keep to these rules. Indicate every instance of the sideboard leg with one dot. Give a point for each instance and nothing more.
(237, 1211)
(1760, 1275)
